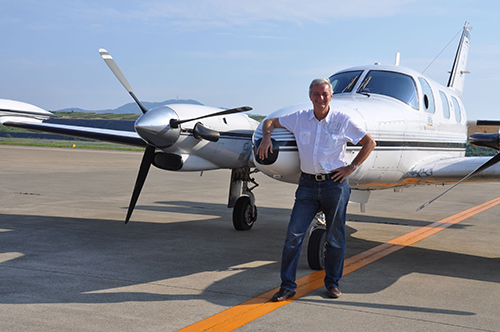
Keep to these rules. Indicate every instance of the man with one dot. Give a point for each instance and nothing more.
(321, 134)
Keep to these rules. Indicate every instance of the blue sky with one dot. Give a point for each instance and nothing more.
(234, 53)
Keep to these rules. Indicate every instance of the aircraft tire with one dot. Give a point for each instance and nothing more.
(316, 249)
(243, 218)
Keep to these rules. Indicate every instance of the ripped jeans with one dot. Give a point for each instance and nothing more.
(313, 196)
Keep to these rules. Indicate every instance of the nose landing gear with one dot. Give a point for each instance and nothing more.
(241, 199)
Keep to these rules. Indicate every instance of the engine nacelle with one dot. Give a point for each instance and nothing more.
(283, 163)
(182, 162)
(286, 168)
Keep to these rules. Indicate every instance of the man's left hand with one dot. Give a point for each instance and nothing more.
(342, 173)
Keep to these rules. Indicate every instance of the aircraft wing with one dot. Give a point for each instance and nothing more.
(107, 135)
(451, 170)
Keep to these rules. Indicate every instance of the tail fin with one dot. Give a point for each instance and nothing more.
(458, 71)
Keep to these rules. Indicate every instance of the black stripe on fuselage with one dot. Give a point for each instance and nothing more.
(393, 144)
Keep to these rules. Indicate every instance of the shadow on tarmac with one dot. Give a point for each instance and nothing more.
(76, 260)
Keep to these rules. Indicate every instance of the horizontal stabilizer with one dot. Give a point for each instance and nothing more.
(487, 140)
(451, 170)
(488, 122)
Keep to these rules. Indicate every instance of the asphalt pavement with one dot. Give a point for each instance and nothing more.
(69, 263)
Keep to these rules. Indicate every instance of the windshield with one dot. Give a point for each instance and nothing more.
(344, 82)
(392, 84)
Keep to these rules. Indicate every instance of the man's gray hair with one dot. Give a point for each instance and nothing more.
(319, 81)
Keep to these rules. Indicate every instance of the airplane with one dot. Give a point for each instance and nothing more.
(420, 128)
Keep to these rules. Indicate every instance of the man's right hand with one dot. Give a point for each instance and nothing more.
(264, 148)
(266, 145)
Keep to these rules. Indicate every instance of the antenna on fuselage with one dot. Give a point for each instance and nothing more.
(442, 51)
(398, 56)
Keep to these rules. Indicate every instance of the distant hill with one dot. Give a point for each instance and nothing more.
(132, 107)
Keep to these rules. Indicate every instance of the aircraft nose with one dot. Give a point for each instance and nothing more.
(154, 127)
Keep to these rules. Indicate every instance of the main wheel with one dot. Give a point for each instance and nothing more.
(244, 214)
(316, 249)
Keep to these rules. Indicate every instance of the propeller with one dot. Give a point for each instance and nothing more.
(149, 153)
(492, 161)
(147, 160)
(119, 75)
(174, 123)
(156, 134)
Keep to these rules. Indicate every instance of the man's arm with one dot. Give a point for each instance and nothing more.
(368, 144)
(266, 145)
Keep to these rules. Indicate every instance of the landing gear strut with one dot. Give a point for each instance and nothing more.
(241, 199)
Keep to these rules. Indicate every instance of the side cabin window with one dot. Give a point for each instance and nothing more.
(392, 84)
(445, 105)
(344, 82)
(456, 109)
(428, 96)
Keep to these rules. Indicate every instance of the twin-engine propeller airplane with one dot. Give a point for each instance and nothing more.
(419, 125)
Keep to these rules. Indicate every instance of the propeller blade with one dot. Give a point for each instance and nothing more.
(484, 166)
(175, 123)
(147, 160)
(119, 75)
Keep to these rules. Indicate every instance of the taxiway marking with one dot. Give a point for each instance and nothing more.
(248, 311)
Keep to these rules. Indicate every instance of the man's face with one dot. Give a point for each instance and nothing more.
(320, 95)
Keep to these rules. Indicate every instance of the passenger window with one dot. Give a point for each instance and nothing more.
(445, 105)
(428, 96)
(392, 84)
(456, 109)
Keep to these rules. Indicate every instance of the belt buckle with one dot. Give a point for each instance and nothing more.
(320, 177)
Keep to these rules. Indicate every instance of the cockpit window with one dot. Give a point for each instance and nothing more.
(344, 82)
(392, 84)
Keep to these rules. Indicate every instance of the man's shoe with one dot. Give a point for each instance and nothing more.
(282, 295)
(333, 292)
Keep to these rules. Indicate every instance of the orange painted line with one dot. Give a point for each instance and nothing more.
(248, 311)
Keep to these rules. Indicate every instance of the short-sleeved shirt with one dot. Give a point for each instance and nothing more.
(322, 144)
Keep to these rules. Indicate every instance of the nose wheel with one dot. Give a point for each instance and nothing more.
(316, 249)
(317, 243)
(244, 214)
(241, 199)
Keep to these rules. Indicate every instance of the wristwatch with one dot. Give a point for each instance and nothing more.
(353, 166)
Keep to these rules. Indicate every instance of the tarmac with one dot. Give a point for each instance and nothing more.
(68, 262)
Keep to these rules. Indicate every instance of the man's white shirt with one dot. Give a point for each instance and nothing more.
(322, 144)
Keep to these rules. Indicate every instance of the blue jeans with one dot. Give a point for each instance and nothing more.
(313, 196)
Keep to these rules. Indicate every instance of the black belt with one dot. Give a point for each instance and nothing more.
(319, 177)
